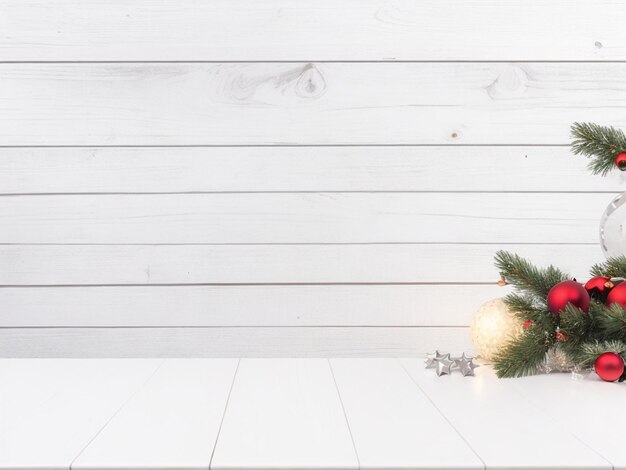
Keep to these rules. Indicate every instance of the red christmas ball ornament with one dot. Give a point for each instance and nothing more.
(620, 161)
(617, 295)
(568, 292)
(609, 366)
(598, 284)
(561, 336)
(528, 324)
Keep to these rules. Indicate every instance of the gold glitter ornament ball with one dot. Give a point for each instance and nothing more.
(493, 326)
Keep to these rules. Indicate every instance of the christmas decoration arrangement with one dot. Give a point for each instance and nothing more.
(443, 364)
(552, 322)
(565, 325)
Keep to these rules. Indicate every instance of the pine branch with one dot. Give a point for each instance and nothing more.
(524, 306)
(576, 325)
(596, 309)
(613, 267)
(588, 352)
(523, 355)
(610, 322)
(523, 275)
(599, 143)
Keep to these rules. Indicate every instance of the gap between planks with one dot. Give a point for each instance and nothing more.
(174, 146)
(443, 415)
(300, 61)
(219, 429)
(343, 409)
(167, 327)
(252, 284)
(171, 193)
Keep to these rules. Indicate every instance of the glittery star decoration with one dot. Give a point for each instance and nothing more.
(465, 364)
(432, 359)
(444, 365)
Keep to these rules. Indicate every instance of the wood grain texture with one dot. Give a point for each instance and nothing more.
(217, 169)
(226, 163)
(303, 218)
(274, 264)
(305, 103)
(263, 306)
(323, 30)
(230, 342)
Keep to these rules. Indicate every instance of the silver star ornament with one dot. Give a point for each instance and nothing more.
(432, 358)
(444, 365)
(466, 365)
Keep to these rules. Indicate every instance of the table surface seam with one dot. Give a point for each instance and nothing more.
(117, 411)
(219, 430)
(443, 415)
(558, 422)
(345, 415)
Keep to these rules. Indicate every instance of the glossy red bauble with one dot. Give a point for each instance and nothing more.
(598, 284)
(609, 366)
(568, 292)
(561, 336)
(620, 161)
(528, 324)
(617, 295)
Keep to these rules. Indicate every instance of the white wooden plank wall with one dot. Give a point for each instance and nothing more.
(234, 177)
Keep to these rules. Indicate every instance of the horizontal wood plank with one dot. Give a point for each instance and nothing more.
(284, 414)
(305, 103)
(303, 218)
(172, 422)
(55, 265)
(323, 30)
(263, 306)
(230, 342)
(217, 169)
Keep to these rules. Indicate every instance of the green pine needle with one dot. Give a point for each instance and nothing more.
(524, 305)
(599, 143)
(523, 355)
(575, 324)
(589, 352)
(526, 277)
(611, 322)
(613, 267)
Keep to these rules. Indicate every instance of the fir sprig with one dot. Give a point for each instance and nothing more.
(600, 143)
(524, 354)
(523, 275)
(611, 322)
(524, 306)
(613, 267)
(576, 324)
(589, 352)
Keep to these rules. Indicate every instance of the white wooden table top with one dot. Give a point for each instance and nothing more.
(300, 413)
